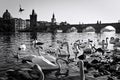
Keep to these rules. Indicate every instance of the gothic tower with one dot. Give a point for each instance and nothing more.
(53, 20)
(33, 20)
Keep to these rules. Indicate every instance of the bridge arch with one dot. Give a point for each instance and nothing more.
(108, 28)
(89, 29)
(72, 29)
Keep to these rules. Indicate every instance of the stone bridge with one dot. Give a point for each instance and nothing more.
(98, 26)
(80, 27)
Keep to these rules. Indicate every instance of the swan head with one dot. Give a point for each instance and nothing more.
(112, 38)
(107, 38)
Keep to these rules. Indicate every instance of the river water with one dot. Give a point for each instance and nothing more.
(9, 43)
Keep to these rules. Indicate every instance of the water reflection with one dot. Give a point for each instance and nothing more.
(13, 41)
(33, 35)
(53, 39)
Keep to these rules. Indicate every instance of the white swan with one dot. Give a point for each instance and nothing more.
(115, 41)
(39, 71)
(37, 43)
(84, 44)
(22, 47)
(63, 52)
(47, 56)
(104, 43)
(76, 50)
(44, 63)
(81, 67)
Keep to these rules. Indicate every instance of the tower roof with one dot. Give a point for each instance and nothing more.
(33, 12)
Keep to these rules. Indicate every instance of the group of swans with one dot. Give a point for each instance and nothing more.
(44, 60)
(103, 43)
(89, 48)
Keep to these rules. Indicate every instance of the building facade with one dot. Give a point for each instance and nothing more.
(10, 24)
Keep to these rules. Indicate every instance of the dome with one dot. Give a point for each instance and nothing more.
(7, 15)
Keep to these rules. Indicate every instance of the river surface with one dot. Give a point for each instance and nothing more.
(9, 43)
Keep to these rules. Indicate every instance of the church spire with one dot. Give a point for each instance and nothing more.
(53, 20)
(53, 15)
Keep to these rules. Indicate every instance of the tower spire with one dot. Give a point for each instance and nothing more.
(53, 20)
(53, 15)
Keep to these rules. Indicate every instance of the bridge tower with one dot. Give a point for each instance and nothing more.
(33, 20)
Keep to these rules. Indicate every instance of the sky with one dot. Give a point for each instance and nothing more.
(72, 11)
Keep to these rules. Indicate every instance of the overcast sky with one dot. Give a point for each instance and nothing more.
(72, 11)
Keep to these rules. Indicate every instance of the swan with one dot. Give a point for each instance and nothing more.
(87, 48)
(76, 50)
(36, 42)
(100, 50)
(45, 61)
(112, 40)
(85, 44)
(29, 57)
(22, 47)
(117, 43)
(63, 52)
(81, 67)
(47, 66)
(104, 43)
(46, 55)
(39, 71)
(82, 45)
